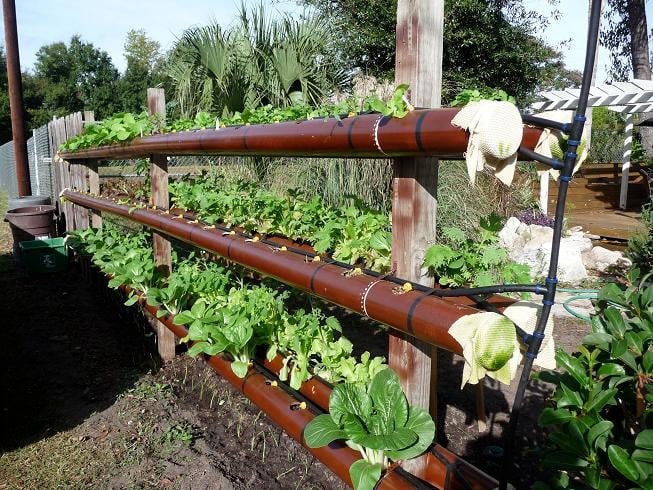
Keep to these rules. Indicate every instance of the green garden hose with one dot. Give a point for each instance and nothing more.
(567, 304)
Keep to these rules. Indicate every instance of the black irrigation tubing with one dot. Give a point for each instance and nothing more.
(551, 282)
(440, 293)
(471, 293)
(542, 122)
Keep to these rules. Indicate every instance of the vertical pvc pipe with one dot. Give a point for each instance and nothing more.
(625, 162)
(15, 81)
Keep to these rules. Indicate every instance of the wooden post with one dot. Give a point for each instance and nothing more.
(418, 63)
(156, 104)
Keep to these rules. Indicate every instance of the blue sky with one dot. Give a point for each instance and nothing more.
(106, 24)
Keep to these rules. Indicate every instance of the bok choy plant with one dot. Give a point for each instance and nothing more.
(375, 420)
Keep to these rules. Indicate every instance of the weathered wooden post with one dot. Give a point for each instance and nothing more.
(418, 63)
(156, 105)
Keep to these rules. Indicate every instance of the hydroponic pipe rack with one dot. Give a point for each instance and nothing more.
(444, 469)
(416, 313)
(426, 132)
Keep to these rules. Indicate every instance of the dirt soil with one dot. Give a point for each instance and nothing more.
(86, 404)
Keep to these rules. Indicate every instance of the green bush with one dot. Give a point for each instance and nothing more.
(601, 419)
(640, 246)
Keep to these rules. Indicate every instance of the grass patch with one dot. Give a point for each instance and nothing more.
(55, 462)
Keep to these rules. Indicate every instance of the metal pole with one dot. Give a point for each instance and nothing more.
(36, 164)
(16, 98)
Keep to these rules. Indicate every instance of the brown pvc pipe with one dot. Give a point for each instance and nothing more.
(423, 316)
(15, 85)
(318, 392)
(426, 132)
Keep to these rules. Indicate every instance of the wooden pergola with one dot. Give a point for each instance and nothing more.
(628, 98)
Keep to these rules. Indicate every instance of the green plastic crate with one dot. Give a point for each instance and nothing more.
(42, 256)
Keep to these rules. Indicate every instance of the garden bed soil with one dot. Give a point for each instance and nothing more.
(86, 404)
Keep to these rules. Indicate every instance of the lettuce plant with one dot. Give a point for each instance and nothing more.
(245, 320)
(375, 420)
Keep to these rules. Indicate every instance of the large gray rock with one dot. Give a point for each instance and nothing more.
(602, 260)
(531, 245)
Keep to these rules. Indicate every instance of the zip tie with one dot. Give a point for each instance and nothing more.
(547, 302)
(565, 178)
(376, 134)
(364, 296)
(573, 142)
(571, 154)
(530, 355)
(552, 280)
(538, 335)
(580, 118)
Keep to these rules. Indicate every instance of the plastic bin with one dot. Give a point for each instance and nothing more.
(43, 256)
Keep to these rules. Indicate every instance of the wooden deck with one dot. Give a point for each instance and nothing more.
(610, 224)
(593, 201)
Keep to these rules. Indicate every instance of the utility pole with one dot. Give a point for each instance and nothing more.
(16, 98)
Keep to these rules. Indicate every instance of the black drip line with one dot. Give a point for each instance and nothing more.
(471, 293)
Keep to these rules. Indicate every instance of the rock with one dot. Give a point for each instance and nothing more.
(601, 259)
(584, 244)
(508, 233)
(531, 245)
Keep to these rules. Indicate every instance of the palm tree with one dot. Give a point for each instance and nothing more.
(260, 60)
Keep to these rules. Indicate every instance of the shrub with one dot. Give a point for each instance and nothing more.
(533, 217)
(640, 246)
(601, 421)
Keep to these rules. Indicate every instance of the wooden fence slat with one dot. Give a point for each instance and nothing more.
(94, 188)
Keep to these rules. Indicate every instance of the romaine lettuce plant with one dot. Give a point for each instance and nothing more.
(377, 421)
(244, 321)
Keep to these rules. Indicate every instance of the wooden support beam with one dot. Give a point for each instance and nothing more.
(156, 104)
(418, 63)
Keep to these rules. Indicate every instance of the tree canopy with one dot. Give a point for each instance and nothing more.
(76, 77)
(488, 44)
(144, 69)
